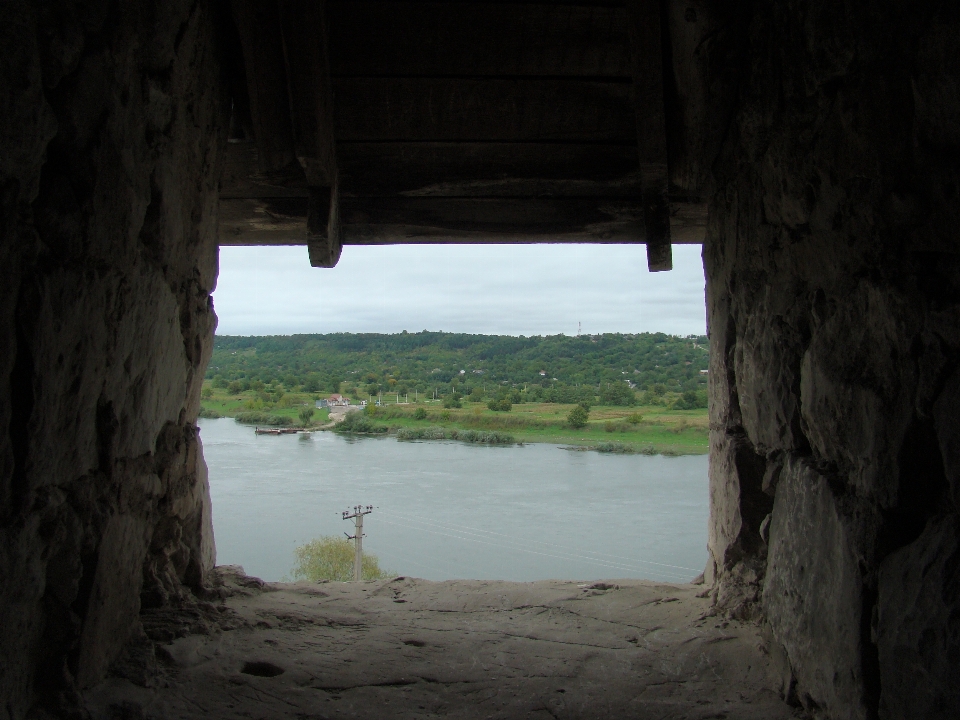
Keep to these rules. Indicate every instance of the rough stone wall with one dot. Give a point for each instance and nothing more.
(833, 268)
(109, 124)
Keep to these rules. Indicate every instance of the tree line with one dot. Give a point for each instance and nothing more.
(613, 368)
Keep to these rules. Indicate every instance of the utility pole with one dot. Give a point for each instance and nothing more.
(357, 516)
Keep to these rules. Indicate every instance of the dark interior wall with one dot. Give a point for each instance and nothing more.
(110, 128)
(834, 313)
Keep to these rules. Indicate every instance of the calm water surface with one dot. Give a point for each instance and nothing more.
(447, 510)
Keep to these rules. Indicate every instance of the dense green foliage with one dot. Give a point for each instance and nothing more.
(471, 436)
(578, 417)
(331, 558)
(263, 418)
(358, 422)
(554, 368)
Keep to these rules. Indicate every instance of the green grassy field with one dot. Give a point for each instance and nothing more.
(658, 429)
(664, 430)
(219, 403)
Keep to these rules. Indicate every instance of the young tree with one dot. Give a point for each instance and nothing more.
(305, 415)
(578, 417)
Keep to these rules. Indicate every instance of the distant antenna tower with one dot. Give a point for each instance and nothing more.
(578, 329)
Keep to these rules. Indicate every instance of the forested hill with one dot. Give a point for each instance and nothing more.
(365, 364)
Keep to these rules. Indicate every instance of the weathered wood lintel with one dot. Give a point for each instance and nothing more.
(389, 221)
(645, 33)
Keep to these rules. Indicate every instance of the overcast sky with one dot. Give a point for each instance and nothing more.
(491, 289)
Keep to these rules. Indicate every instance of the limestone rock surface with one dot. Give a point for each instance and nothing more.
(461, 649)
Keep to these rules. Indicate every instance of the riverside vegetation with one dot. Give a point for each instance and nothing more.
(656, 403)
(331, 558)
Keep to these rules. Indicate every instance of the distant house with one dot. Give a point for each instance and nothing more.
(704, 372)
(322, 404)
(337, 401)
(543, 373)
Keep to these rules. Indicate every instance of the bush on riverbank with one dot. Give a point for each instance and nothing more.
(358, 422)
(211, 414)
(262, 418)
(331, 558)
(470, 436)
(624, 449)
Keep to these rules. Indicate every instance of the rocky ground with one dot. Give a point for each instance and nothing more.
(408, 648)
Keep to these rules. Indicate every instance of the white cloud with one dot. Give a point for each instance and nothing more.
(496, 289)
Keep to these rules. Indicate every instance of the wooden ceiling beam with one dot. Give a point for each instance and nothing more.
(303, 28)
(258, 24)
(645, 32)
(476, 39)
(484, 109)
(386, 221)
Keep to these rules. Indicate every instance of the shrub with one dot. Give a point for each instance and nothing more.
(207, 413)
(634, 418)
(452, 401)
(691, 400)
(331, 558)
(614, 447)
(470, 436)
(445, 415)
(618, 393)
(501, 405)
(609, 426)
(358, 422)
(481, 436)
(207, 392)
(578, 417)
(234, 388)
(262, 418)
(420, 414)
(305, 415)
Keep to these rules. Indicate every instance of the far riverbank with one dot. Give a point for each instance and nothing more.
(649, 429)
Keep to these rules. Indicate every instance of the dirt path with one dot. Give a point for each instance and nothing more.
(410, 648)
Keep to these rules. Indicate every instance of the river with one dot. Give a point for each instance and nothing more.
(446, 510)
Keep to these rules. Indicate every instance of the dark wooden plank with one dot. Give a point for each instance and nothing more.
(380, 221)
(432, 109)
(303, 27)
(311, 94)
(451, 169)
(258, 24)
(449, 38)
(645, 30)
(488, 169)
(492, 215)
(274, 221)
(242, 177)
